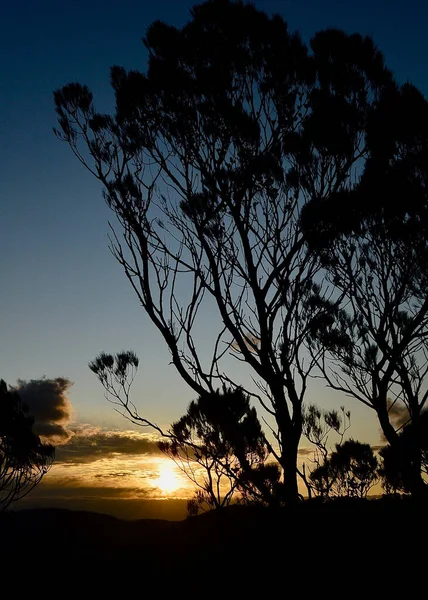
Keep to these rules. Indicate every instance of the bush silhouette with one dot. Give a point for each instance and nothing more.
(350, 471)
(219, 444)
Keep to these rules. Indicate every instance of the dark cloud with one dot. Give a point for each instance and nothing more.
(398, 413)
(115, 475)
(142, 474)
(48, 404)
(67, 488)
(89, 444)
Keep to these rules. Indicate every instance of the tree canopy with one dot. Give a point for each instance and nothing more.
(219, 444)
(209, 162)
(371, 341)
(24, 459)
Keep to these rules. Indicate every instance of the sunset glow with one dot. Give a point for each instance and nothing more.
(168, 480)
(214, 279)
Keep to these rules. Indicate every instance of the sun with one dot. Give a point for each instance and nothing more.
(167, 480)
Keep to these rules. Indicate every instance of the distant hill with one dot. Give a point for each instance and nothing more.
(171, 509)
(345, 531)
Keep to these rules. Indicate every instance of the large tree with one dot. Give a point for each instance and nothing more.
(24, 459)
(207, 162)
(373, 242)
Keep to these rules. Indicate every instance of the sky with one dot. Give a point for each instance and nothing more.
(63, 298)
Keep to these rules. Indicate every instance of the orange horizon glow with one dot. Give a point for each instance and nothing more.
(168, 480)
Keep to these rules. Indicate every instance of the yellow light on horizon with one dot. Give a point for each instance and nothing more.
(167, 480)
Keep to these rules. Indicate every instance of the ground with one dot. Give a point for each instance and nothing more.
(356, 536)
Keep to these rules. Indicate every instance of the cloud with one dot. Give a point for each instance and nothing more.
(305, 451)
(68, 488)
(48, 404)
(89, 444)
(398, 413)
(251, 341)
(114, 475)
(124, 503)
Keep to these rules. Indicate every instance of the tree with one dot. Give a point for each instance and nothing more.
(207, 163)
(350, 471)
(396, 461)
(219, 444)
(318, 424)
(24, 459)
(373, 240)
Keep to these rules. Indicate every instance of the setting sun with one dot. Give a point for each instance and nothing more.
(167, 480)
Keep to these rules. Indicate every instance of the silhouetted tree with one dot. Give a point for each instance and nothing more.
(116, 373)
(351, 471)
(24, 459)
(207, 163)
(391, 469)
(263, 484)
(372, 338)
(396, 461)
(318, 424)
(218, 444)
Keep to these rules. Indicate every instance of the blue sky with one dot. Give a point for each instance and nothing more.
(63, 298)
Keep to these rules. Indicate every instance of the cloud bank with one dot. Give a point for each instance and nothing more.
(89, 444)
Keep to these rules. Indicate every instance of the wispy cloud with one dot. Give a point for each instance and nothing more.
(305, 451)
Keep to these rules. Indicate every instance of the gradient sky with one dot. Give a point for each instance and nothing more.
(62, 296)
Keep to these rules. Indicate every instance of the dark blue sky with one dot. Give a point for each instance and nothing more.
(62, 296)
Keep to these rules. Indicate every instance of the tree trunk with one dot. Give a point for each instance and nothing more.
(411, 457)
(389, 432)
(289, 465)
(416, 484)
(290, 428)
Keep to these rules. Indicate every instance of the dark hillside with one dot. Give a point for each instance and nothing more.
(340, 533)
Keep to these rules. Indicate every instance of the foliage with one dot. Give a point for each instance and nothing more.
(207, 163)
(396, 461)
(318, 424)
(351, 471)
(371, 340)
(217, 443)
(116, 373)
(24, 459)
(263, 484)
